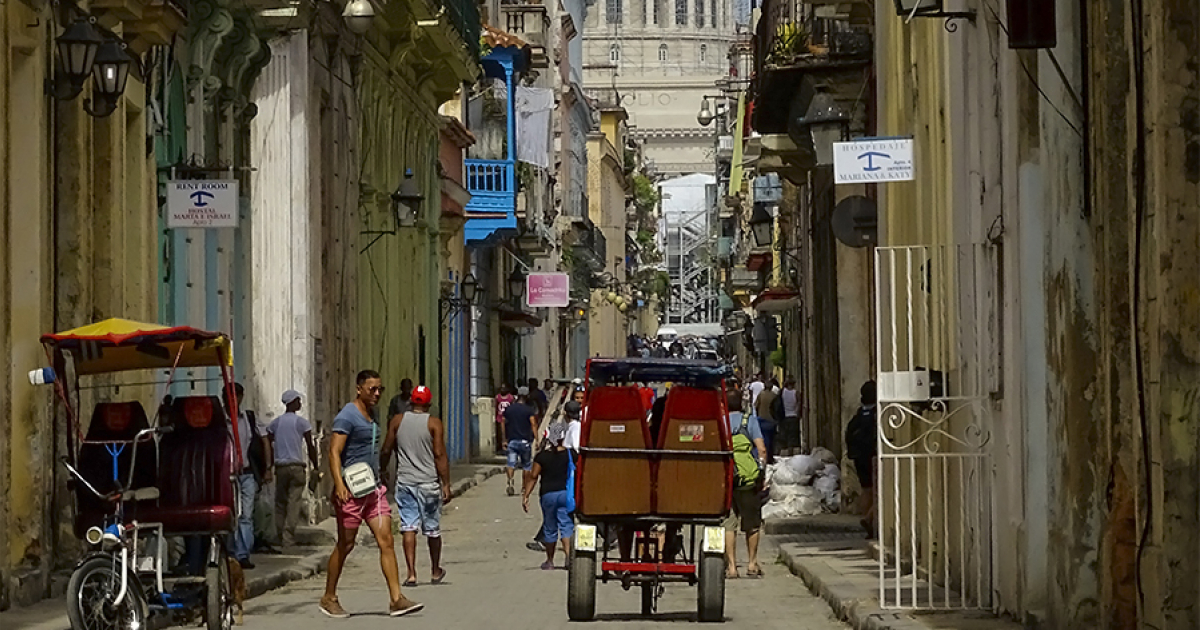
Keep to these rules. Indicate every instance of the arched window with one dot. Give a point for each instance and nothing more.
(614, 54)
(662, 53)
(703, 54)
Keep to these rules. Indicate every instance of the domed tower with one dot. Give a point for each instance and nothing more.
(662, 57)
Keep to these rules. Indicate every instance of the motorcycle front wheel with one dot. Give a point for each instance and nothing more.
(90, 594)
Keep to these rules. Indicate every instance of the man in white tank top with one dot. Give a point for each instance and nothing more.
(422, 480)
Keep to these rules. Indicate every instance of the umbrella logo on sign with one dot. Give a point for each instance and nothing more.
(200, 198)
(871, 155)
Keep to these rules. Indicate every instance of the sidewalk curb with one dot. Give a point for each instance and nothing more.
(859, 607)
(315, 563)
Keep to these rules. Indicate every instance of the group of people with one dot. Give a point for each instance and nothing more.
(274, 453)
(360, 459)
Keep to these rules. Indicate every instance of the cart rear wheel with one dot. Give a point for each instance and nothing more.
(581, 586)
(710, 592)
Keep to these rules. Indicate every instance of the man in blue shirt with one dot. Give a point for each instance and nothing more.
(520, 428)
(356, 440)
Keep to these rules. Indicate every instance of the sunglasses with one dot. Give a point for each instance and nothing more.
(375, 390)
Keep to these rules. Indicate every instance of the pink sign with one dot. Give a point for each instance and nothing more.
(545, 290)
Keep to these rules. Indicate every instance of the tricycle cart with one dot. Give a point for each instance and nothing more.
(657, 477)
(140, 479)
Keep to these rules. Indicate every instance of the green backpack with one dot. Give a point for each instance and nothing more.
(745, 466)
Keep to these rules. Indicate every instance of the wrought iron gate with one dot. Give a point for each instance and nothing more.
(935, 324)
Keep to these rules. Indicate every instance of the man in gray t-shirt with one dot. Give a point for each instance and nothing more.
(289, 434)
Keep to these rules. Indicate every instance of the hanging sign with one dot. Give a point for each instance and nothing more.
(548, 290)
(202, 203)
(872, 160)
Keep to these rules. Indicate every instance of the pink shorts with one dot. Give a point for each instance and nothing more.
(352, 513)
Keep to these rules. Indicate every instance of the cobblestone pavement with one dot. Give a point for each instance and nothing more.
(494, 582)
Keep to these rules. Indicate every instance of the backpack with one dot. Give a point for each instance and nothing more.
(860, 434)
(745, 466)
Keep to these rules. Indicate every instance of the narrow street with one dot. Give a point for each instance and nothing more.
(494, 582)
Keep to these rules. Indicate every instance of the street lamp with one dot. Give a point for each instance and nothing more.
(77, 48)
(516, 284)
(468, 289)
(706, 115)
(826, 123)
(110, 72)
(762, 224)
(406, 200)
(358, 16)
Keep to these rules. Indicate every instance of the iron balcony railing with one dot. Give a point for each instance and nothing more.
(492, 184)
(790, 33)
(464, 17)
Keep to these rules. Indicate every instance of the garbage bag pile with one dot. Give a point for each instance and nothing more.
(804, 485)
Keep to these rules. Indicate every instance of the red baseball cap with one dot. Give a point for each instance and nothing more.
(422, 396)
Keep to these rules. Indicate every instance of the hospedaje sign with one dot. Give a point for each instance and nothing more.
(548, 290)
(873, 160)
(198, 203)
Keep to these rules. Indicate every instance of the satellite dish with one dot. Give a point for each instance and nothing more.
(855, 221)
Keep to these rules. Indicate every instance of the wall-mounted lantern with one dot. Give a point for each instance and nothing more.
(77, 48)
(762, 224)
(909, 9)
(516, 284)
(826, 123)
(407, 200)
(468, 289)
(110, 72)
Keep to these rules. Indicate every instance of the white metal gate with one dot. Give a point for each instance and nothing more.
(935, 322)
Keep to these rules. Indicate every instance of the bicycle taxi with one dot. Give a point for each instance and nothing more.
(142, 479)
(662, 488)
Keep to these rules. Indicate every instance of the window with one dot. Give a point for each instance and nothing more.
(681, 17)
(662, 52)
(700, 13)
(703, 54)
(656, 4)
(612, 11)
(713, 21)
(614, 54)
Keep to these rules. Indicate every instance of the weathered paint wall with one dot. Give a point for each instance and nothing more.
(77, 213)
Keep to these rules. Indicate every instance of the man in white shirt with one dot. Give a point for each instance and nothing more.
(290, 434)
(792, 431)
(756, 387)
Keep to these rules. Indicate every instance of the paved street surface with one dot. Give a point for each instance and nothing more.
(494, 582)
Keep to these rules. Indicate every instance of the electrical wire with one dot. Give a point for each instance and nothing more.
(1137, 49)
(1034, 81)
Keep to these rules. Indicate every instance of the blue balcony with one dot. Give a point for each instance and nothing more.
(492, 210)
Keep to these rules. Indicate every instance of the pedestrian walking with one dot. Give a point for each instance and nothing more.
(552, 467)
(359, 496)
(862, 434)
(503, 399)
(793, 434)
(746, 516)
(768, 423)
(520, 427)
(418, 440)
(290, 435)
(256, 453)
(401, 402)
(538, 398)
